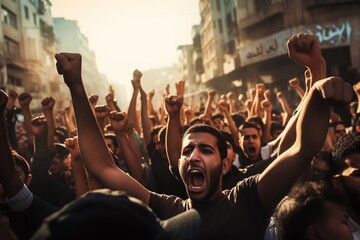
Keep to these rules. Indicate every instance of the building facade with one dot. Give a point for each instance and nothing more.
(244, 42)
(28, 49)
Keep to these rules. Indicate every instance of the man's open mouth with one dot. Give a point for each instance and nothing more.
(196, 180)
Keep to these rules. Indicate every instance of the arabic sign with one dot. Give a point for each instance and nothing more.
(329, 35)
(332, 34)
(269, 47)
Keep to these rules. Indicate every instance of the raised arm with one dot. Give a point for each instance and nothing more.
(77, 167)
(101, 113)
(24, 101)
(97, 159)
(209, 103)
(173, 104)
(119, 122)
(311, 131)
(48, 109)
(305, 50)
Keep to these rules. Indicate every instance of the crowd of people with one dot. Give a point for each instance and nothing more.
(226, 168)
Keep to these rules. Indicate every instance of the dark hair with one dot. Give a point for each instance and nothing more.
(221, 142)
(256, 120)
(99, 215)
(295, 214)
(274, 127)
(347, 144)
(61, 150)
(112, 137)
(197, 119)
(229, 138)
(238, 119)
(156, 130)
(216, 116)
(21, 162)
(248, 125)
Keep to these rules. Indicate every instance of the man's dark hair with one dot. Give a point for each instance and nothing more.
(112, 137)
(221, 142)
(216, 116)
(274, 127)
(256, 120)
(305, 207)
(347, 144)
(21, 162)
(238, 119)
(248, 125)
(156, 130)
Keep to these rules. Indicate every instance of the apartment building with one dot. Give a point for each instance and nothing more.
(28, 46)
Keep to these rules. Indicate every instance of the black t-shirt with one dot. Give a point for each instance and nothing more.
(237, 214)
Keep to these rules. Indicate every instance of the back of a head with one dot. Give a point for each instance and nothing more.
(305, 207)
(347, 144)
(102, 214)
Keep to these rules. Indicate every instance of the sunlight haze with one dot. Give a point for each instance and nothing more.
(127, 35)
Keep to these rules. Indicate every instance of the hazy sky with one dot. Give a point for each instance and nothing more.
(129, 34)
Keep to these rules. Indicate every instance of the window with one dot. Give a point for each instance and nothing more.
(26, 12)
(15, 81)
(9, 18)
(12, 48)
(34, 17)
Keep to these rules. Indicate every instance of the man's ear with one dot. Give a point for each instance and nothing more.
(312, 233)
(28, 180)
(337, 182)
(178, 162)
(226, 165)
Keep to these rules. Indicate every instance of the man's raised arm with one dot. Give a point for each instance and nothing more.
(93, 149)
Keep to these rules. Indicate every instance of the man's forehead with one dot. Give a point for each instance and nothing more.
(249, 131)
(199, 138)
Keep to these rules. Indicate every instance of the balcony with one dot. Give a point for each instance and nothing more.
(271, 11)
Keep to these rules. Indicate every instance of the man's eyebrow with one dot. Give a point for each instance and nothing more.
(200, 145)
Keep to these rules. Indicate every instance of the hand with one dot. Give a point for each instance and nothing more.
(48, 104)
(335, 90)
(173, 104)
(266, 105)
(294, 83)
(69, 65)
(12, 98)
(223, 106)
(102, 111)
(3, 101)
(304, 49)
(260, 89)
(118, 121)
(73, 147)
(151, 93)
(39, 125)
(137, 75)
(93, 99)
(248, 104)
(180, 87)
(24, 99)
(252, 92)
(230, 96)
(211, 94)
(267, 94)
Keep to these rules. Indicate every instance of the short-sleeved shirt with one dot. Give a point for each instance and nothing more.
(236, 214)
